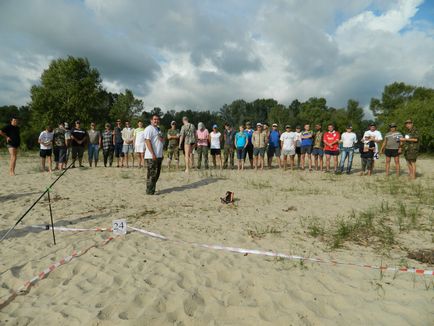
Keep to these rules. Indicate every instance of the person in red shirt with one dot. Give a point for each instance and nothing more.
(331, 146)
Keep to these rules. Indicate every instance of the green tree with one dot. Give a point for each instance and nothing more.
(126, 107)
(69, 89)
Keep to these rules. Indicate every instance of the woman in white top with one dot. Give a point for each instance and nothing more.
(45, 141)
(215, 138)
(139, 143)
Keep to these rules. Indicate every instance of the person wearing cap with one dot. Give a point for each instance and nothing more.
(306, 146)
(202, 136)
(287, 140)
(107, 138)
(410, 145)
(215, 139)
(139, 143)
(188, 139)
(241, 141)
(59, 147)
(331, 147)
(228, 147)
(348, 141)
(249, 148)
(274, 146)
(298, 144)
(172, 147)
(78, 141)
(318, 148)
(376, 137)
(94, 144)
(391, 148)
(259, 140)
(128, 144)
(45, 141)
(118, 143)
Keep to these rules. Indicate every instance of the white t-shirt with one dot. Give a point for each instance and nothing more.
(297, 139)
(376, 135)
(348, 139)
(288, 139)
(154, 135)
(215, 140)
(46, 139)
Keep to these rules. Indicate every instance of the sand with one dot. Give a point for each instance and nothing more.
(137, 280)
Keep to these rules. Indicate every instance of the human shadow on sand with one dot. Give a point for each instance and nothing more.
(189, 186)
(16, 196)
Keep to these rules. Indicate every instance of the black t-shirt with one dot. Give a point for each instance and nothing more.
(78, 134)
(369, 153)
(13, 132)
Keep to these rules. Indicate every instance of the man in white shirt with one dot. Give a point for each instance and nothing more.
(45, 141)
(154, 153)
(288, 140)
(376, 137)
(348, 141)
(128, 145)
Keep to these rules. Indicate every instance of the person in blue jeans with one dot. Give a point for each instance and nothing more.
(94, 143)
(241, 141)
(348, 141)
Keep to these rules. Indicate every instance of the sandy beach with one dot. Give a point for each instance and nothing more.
(138, 280)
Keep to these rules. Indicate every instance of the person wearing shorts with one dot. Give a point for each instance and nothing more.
(410, 145)
(376, 136)
(78, 140)
(288, 140)
(331, 147)
(118, 143)
(128, 143)
(391, 148)
(249, 148)
(318, 148)
(259, 140)
(59, 146)
(274, 146)
(215, 139)
(306, 146)
(241, 141)
(107, 137)
(13, 140)
(188, 140)
(45, 141)
(173, 144)
(298, 145)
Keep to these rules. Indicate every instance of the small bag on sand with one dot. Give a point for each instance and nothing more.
(229, 198)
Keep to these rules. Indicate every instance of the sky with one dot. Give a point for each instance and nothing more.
(201, 54)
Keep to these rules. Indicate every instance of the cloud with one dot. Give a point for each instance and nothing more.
(202, 54)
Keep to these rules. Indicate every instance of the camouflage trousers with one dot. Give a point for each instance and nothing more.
(228, 155)
(154, 169)
(202, 151)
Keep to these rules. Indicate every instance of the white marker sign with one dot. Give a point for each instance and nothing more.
(119, 227)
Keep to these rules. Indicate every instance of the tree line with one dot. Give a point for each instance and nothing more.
(70, 89)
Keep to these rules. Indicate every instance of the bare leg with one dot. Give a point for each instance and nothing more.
(49, 163)
(13, 160)
(387, 165)
(397, 165)
(42, 164)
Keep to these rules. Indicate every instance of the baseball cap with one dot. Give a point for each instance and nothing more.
(214, 126)
(173, 123)
(372, 124)
(248, 123)
(259, 124)
(297, 127)
(77, 122)
(349, 127)
(408, 121)
(287, 126)
(274, 125)
(392, 125)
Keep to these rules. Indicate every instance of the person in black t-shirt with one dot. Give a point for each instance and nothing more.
(367, 148)
(12, 134)
(78, 140)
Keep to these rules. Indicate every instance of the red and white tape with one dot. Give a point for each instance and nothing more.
(418, 271)
(27, 285)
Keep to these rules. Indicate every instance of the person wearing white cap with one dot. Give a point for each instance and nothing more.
(202, 136)
(172, 147)
(215, 139)
(188, 139)
(259, 140)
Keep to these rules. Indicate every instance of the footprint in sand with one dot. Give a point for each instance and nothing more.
(193, 303)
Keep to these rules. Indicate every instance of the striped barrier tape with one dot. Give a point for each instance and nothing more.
(418, 271)
(27, 285)
(65, 229)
